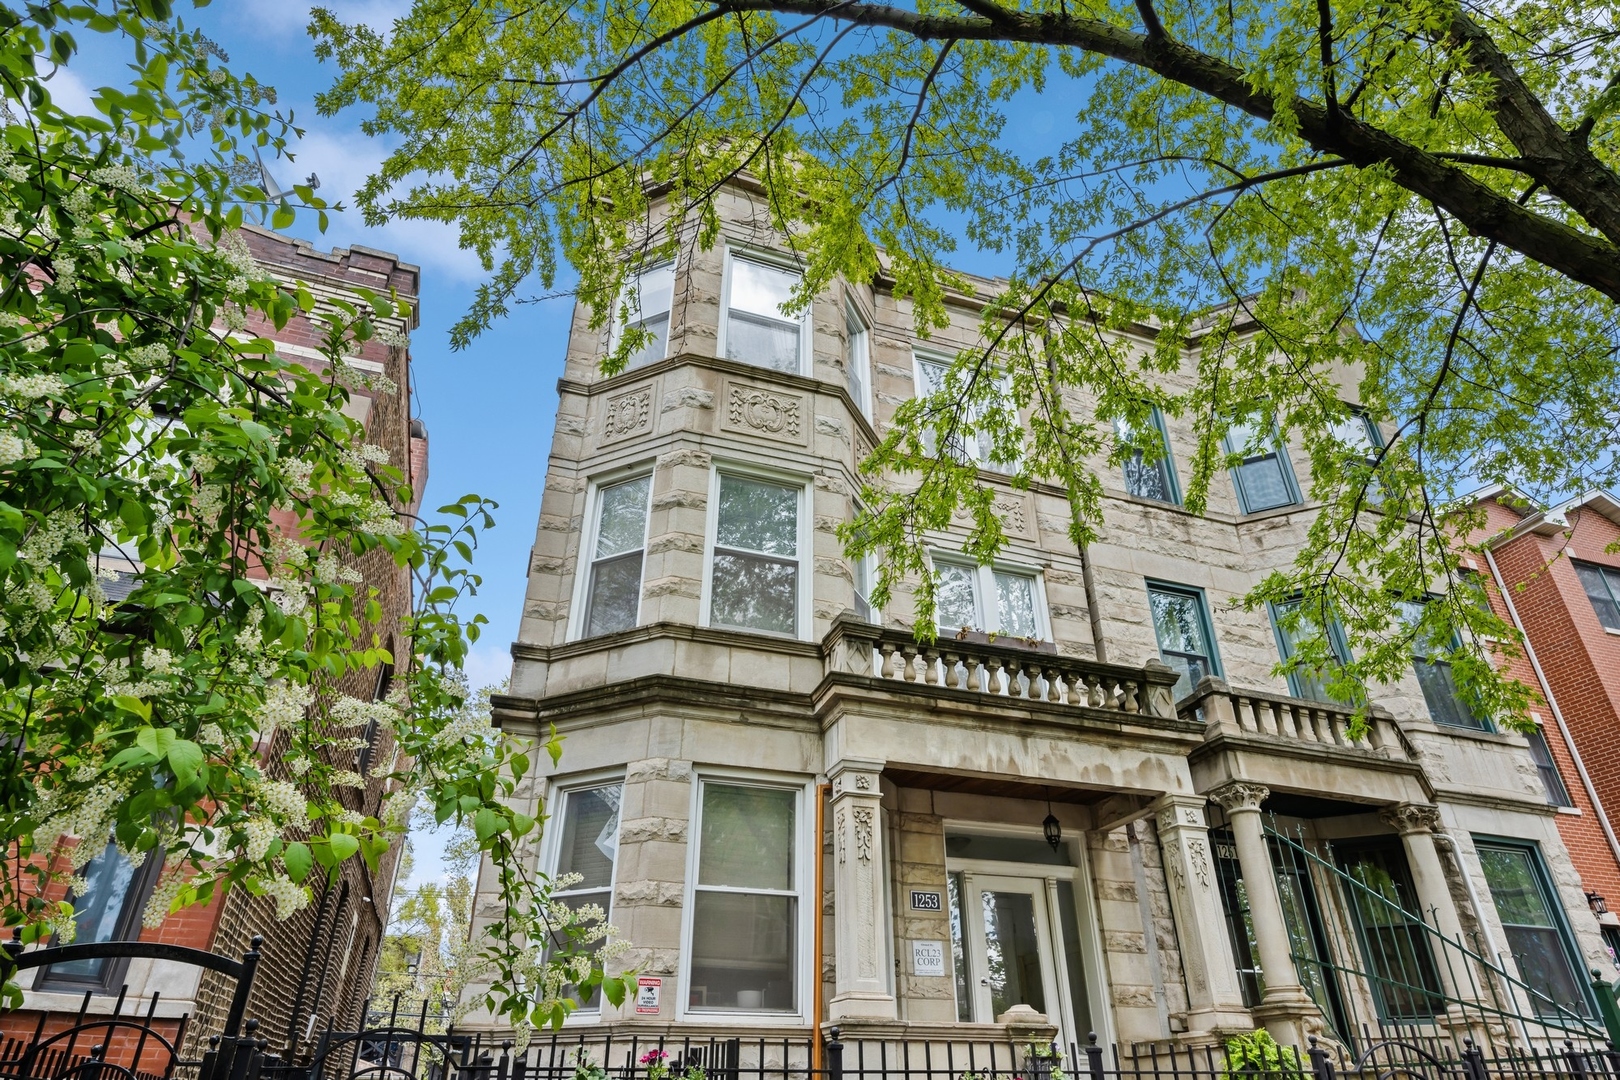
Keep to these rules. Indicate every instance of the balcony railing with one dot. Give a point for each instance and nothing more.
(1236, 711)
(1012, 671)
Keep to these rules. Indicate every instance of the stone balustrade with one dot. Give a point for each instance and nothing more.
(1233, 710)
(997, 669)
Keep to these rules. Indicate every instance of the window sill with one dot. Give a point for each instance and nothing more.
(1611, 630)
(1573, 811)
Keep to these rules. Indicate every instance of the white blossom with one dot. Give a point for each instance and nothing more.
(282, 799)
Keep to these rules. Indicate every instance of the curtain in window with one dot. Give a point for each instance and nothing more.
(758, 330)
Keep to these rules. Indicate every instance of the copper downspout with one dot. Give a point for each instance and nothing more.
(823, 791)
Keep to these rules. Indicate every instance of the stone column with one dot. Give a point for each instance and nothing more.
(859, 945)
(1286, 1010)
(1214, 999)
(1418, 825)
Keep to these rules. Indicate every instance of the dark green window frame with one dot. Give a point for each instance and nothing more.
(1254, 465)
(1142, 474)
(1581, 1003)
(1210, 659)
(1602, 584)
(1447, 705)
(1305, 685)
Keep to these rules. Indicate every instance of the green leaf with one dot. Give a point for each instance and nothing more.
(155, 741)
(298, 860)
(284, 216)
(185, 758)
(343, 845)
(486, 823)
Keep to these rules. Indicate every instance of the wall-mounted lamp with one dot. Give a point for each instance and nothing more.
(1597, 903)
(1051, 828)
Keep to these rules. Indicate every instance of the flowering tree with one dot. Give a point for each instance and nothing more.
(184, 515)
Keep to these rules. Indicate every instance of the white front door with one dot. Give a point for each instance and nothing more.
(1013, 961)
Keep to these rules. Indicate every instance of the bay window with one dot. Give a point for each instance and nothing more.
(756, 326)
(588, 849)
(858, 359)
(745, 922)
(755, 574)
(976, 445)
(647, 297)
(618, 544)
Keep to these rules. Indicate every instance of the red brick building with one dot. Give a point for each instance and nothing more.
(318, 965)
(1554, 575)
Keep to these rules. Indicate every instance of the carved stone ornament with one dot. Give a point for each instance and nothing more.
(863, 782)
(1172, 864)
(1013, 511)
(765, 412)
(1411, 818)
(627, 414)
(863, 832)
(843, 842)
(1199, 856)
(1240, 795)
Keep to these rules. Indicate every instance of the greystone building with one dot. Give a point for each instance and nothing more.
(801, 817)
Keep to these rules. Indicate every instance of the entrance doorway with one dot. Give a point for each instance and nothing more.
(1015, 932)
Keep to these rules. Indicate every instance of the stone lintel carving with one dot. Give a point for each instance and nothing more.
(754, 410)
(1411, 818)
(1012, 508)
(1240, 795)
(626, 414)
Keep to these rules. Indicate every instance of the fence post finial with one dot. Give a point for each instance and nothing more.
(1094, 1057)
(835, 1055)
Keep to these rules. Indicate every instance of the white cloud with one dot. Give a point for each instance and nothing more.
(343, 160)
(68, 91)
(487, 665)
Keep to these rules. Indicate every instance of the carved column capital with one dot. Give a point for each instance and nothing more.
(1237, 795)
(1408, 818)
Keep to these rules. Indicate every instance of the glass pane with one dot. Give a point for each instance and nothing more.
(658, 327)
(754, 593)
(590, 839)
(1147, 479)
(1006, 849)
(933, 376)
(1071, 948)
(576, 901)
(760, 289)
(1551, 779)
(98, 911)
(747, 837)
(622, 520)
(863, 571)
(743, 952)
(758, 516)
(1514, 888)
(1446, 706)
(856, 361)
(1603, 600)
(1545, 966)
(615, 598)
(1015, 604)
(1263, 485)
(955, 602)
(1178, 622)
(1012, 958)
(1405, 981)
(1355, 432)
(763, 342)
(959, 959)
(650, 291)
(1307, 684)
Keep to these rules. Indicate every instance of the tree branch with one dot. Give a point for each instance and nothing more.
(1592, 261)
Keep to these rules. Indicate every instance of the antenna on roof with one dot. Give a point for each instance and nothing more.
(272, 190)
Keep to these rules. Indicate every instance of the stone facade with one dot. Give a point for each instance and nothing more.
(929, 902)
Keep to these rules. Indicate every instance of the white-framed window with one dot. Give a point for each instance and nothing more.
(648, 294)
(977, 446)
(865, 570)
(586, 844)
(613, 555)
(858, 358)
(747, 929)
(754, 326)
(758, 572)
(995, 598)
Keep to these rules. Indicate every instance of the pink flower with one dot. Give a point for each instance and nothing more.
(652, 1057)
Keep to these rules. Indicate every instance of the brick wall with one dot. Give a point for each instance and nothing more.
(1582, 666)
